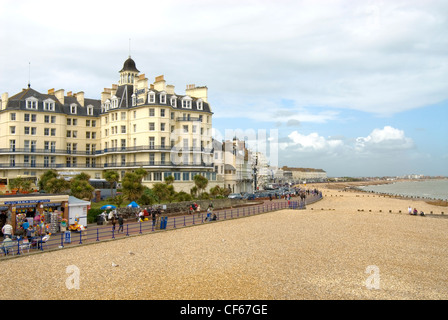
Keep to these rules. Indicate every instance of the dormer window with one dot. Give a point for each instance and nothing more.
(49, 105)
(114, 102)
(90, 110)
(186, 102)
(162, 98)
(199, 104)
(134, 100)
(173, 101)
(151, 97)
(73, 108)
(31, 103)
(107, 105)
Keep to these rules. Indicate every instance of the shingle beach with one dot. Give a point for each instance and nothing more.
(326, 251)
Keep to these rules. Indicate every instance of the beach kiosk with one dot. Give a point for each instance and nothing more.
(35, 208)
(77, 211)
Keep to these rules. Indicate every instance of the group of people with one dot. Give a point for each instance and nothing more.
(151, 212)
(27, 237)
(414, 212)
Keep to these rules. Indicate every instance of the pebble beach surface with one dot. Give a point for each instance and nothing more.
(326, 251)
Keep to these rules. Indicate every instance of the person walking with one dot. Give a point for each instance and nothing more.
(7, 230)
(120, 223)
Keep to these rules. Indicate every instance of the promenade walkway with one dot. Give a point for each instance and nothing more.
(95, 233)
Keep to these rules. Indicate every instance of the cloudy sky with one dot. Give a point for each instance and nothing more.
(357, 88)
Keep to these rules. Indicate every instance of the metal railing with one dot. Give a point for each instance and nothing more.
(104, 233)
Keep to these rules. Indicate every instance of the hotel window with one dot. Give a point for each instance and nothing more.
(177, 176)
(135, 127)
(69, 134)
(53, 132)
(151, 112)
(87, 135)
(75, 134)
(162, 127)
(53, 119)
(33, 118)
(12, 145)
(12, 160)
(199, 104)
(162, 142)
(12, 116)
(151, 97)
(151, 142)
(186, 103)
(26, 117)
(173, 101)
(114, 102)
(152, 126)
(46, 131)
(185, 129)
(31, 104)
(123, 129)
(73, 109)
(12, 130)
(49, 105)
(151, 158)
(162, 158)
(87, 123)
(69, 121)
(27, 130)
(33, 131)
(162, 112)
(94, 123)
(47, 119)
(75, 122)
(157, 176)
(135, 114)
(162, 98)
(90, 110)
(123, 116)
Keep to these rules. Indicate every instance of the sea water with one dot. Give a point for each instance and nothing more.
(432, 189)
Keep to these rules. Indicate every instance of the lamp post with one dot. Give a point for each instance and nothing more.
(255, 172)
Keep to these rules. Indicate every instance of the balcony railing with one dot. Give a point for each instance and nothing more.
(148, 148)
(188, 119)
(17, 165)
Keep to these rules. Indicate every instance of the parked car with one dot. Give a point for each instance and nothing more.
(249, 196)
(235, 196)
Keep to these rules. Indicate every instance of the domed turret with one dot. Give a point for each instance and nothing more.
(129, 72)
(129, 65)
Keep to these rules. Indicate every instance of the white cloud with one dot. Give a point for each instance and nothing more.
(312, 142)
(380, 141)
(386, 139)
(381, 57)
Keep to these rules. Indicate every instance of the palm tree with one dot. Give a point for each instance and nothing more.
(132, 186)
(112, 177)
(200, 181)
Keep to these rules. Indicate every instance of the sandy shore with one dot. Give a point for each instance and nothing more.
(322, 252)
